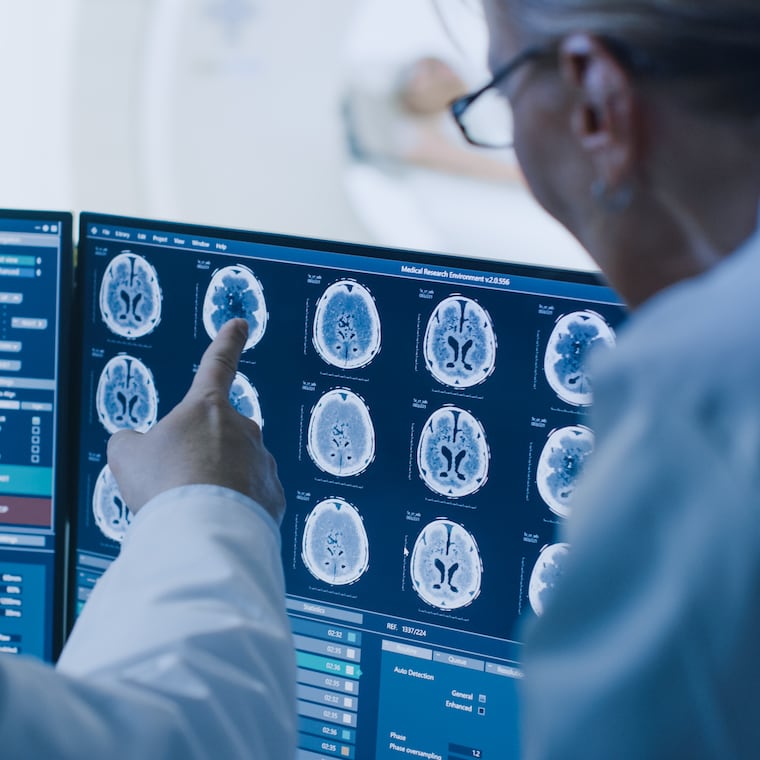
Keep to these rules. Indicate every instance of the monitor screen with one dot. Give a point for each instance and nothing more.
(429, 418)
(35, 285)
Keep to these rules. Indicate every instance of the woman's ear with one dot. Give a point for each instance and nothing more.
(603, 115)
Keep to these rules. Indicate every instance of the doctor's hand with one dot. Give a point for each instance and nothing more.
(202, 440)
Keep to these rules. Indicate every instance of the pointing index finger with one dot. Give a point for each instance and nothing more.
(220, 360)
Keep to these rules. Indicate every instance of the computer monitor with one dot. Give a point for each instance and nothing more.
(35, 289)
(429, 419)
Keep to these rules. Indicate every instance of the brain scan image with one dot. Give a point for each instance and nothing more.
(341, 438)
(245, 398)
(575, 338)
(126, 396)
(112, 515)
(460, 343)
(347, 325)
(453, 454)
(561, 464)
(549, 568)
(446, 567)
(335, 545)
(235, 292)
(130, 296)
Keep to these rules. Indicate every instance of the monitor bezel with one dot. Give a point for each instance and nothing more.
(581, 276)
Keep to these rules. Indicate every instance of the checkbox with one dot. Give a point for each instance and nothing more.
(481, 710)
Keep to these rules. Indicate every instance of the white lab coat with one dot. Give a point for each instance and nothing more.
(182, 651)
(650, 647)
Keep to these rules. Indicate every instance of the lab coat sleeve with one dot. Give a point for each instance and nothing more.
(630, 659)
(183, 649)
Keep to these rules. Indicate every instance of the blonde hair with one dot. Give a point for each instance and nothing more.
(711, 46)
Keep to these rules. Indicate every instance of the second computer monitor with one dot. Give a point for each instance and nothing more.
(35, 289)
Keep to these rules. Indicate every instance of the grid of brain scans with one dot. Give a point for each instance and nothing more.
(429, 416)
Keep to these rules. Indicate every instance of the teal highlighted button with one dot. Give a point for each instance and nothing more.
(26, 481)
(17, 261)
(327, 665)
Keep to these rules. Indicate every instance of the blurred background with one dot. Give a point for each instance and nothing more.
(323, 119)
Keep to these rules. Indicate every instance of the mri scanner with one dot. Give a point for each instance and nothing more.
(228, 112)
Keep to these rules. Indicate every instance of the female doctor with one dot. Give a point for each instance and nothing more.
(637, 125)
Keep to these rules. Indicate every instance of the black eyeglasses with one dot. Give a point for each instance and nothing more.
(485, 116)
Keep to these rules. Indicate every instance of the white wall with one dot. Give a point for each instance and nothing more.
(36, 49)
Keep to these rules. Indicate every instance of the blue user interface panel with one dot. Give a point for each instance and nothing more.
(429, 419)
(35, 278)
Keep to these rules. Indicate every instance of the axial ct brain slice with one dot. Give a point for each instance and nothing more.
(335, 547)
(453, 455)
(235, 291)
(561, 464)
(341, 438)
(126, 397)
(347, 325)
(460, 343)
(111, 513)
(572, 342)
(245, 399)
(446, 566)
(130, 296)
(549, 568)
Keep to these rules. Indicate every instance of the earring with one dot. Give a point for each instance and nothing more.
(612, 199)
